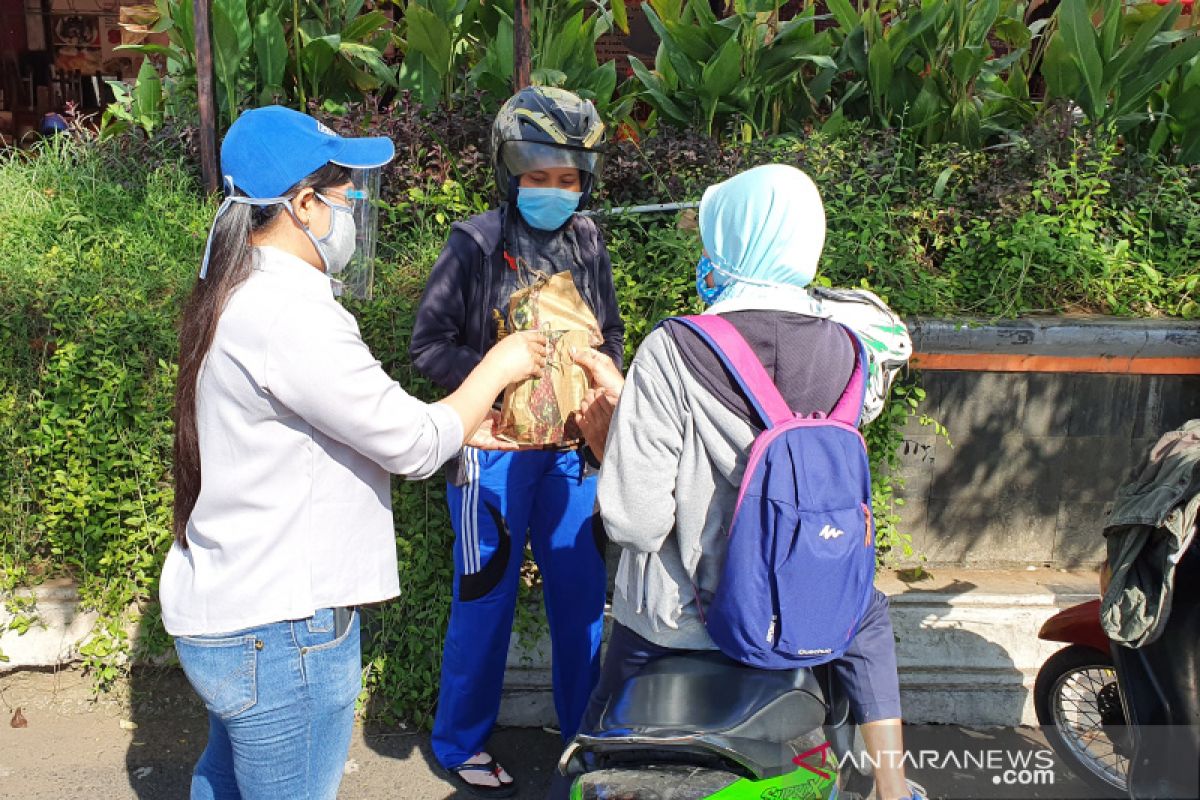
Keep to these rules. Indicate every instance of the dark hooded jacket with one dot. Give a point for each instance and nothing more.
(455, 324)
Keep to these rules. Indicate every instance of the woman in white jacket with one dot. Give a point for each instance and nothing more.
(286, 431)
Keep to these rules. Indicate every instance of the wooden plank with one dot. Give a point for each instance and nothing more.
(521, 58)
(204, 88)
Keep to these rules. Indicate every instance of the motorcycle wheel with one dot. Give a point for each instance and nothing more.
(1079, 708)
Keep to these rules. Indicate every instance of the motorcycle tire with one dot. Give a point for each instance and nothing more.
(1078, 706)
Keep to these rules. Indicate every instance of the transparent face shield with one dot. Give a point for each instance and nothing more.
(359, 276)
(363, 198)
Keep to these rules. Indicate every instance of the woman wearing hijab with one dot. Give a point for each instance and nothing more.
(681, 419)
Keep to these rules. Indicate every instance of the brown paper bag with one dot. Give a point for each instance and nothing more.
(540, 411)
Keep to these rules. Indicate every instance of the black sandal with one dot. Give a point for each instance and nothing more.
(481, 790)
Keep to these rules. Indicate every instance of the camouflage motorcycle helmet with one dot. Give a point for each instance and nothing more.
(541, 127)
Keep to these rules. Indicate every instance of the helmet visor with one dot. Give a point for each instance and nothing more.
(521, 157)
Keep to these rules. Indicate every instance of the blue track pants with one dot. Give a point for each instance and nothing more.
(506, 499)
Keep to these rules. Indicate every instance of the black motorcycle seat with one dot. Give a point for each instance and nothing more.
(707, 693)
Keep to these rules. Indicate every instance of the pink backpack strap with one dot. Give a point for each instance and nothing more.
(737, 356)
(849, 406)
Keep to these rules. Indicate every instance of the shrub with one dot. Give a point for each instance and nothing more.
(99, 244)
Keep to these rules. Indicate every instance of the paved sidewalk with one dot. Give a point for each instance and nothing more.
(75, 747)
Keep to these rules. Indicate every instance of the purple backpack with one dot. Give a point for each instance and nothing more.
(799, 572)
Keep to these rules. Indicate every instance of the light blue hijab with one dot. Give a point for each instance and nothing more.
(764, 230)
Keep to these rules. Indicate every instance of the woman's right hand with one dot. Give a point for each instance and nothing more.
(519, 355)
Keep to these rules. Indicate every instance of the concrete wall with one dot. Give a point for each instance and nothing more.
(966, 646)
(1033, 458)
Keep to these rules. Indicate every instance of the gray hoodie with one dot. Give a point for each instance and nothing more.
(675, 454)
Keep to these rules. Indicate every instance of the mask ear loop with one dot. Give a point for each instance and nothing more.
(312, 237)
(734, 277)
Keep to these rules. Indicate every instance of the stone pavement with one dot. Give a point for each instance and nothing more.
(77, 747)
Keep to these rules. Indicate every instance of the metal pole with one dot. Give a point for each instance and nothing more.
(520, 44)
(204, 87)
(654, 208)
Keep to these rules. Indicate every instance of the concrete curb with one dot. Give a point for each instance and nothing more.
(55, 638)
(1083, 336)
(967, 644)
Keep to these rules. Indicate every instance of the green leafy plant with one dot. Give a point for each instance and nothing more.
(932, 67)
(110, 233)
(748, 74)
(453, 46)
(267, 51)
(563, 37)
(1176, 107)
(141, 108)
(440, 36)
(1111, 59)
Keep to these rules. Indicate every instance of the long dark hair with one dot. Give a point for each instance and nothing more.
(228, 268)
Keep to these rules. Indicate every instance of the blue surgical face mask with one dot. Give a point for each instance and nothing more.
(708, 294)
(547, 209)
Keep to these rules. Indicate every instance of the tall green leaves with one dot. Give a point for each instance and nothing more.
(268, 51)
(748, 74)
(231, 43)
(934, 67)
(444, 37)
(1133, 70)
(564, 37)
(439, 36)
(931, 67)
(271, 50)
(948, 70)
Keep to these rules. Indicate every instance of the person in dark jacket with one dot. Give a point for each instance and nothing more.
(546, 150)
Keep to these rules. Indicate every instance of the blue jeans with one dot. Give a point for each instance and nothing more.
(280, 700)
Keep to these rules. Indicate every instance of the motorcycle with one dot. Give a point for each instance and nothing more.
(1078, 702)
(1126, 720)
(701, 726)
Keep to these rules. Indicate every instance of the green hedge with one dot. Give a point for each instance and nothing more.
(101, 242)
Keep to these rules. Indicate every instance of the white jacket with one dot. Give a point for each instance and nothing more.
(299, 427)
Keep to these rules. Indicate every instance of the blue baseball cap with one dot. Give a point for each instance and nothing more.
(269, 150)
